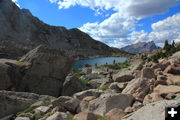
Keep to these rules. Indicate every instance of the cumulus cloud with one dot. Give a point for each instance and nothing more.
(168, 29)
(117, 29)
(113, 28)
(136, 8)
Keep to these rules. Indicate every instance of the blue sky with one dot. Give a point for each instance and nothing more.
(115, 22)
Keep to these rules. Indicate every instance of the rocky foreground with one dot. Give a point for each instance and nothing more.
(139, 92)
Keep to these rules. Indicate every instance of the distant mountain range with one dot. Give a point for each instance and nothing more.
(20, 32)
(141, 47)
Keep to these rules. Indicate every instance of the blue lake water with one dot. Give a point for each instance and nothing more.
(99, 61)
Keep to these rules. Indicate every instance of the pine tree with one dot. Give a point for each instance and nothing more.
(167, 47)
(173, 44)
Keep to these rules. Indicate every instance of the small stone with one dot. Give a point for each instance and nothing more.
(55, 116)
(42, 109)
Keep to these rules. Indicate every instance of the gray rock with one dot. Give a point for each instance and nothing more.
(123, 76)
(68, 103)
(95, 83)
(42, 109)
(91, 77)
(114, 86)
(55, 116)
(10, 74)
(72, 85)
(117, 86)
(86, 116)
(91, 92)
(138, 87)
(72, 105)
(148, 73)
(48, 69)
(13, 102)
(22, 118)
(106, 102)
(153, 111)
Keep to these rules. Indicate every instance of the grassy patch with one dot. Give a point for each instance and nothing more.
(102, 118)
(117, 66)
(21, 63)
(70, 116)
(85, 82)
(78, 75)
(28, 110)
(104, 87)
(125, 64)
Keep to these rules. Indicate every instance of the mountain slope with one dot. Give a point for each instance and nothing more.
(140, 47)
(21, 31)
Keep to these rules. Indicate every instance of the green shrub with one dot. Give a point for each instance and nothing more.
(78, 75)
(85, 82)
(37, 116)
(28, 110)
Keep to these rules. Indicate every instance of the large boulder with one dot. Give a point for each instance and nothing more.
(173, 80)
(95, 83)
(163, 89)
(55, 116)
(117, 86)
(107, 102)
(139, 87)
(153, 111)
(83, 106)
(86, 93)
(66, 103)
(11, 73)
(47, 71)
(148, 72)
(172, 69)
(123, 76)
(13, 102)
(5, 80)
(162, 65)
(115, 114)
(72, 85)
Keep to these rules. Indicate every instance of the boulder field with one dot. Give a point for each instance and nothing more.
(92, 93)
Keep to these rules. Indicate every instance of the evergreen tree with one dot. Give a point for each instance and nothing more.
(167, 47)
(173, 44)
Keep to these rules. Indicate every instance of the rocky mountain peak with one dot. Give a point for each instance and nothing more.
(141, 47)
(19, 28)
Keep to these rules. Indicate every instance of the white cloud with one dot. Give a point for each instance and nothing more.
(136, 8)
(15, 1)
(115, 30)
(53, 1)
(168, 29)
